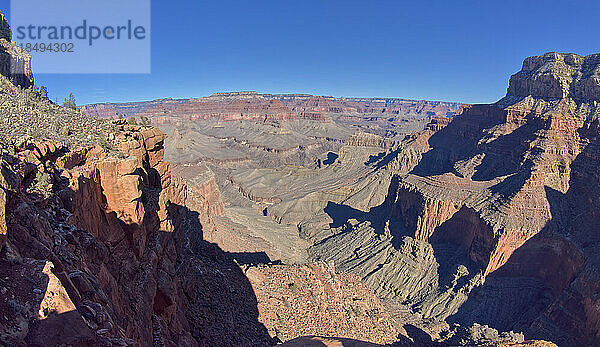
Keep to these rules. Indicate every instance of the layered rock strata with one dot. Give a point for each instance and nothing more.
(490, 224)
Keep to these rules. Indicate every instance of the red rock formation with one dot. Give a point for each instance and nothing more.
(500, 167)
(113, 227)
(496, 220)
(119, 201)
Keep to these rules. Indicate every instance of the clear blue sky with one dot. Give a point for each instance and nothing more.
(440, 50)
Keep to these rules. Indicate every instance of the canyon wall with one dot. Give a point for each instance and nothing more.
(273, 107)
(493, 224)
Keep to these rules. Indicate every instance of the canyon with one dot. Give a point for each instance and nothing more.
(462, 215)
(247, 219)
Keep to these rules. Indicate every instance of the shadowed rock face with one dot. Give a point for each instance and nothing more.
(15, 62)
(113, 253)
(490, 224)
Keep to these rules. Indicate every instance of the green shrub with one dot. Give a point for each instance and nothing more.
(70, 102)
(144, 121)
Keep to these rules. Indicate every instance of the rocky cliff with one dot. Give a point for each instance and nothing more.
(558, 76)
(111, 253)
(15, 62)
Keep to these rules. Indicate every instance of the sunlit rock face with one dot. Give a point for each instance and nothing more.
(557, 76)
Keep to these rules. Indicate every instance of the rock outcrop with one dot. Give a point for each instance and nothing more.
(15, 62)
(558, 76)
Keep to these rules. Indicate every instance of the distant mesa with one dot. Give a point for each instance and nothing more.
(235, 94)
(251, 105)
